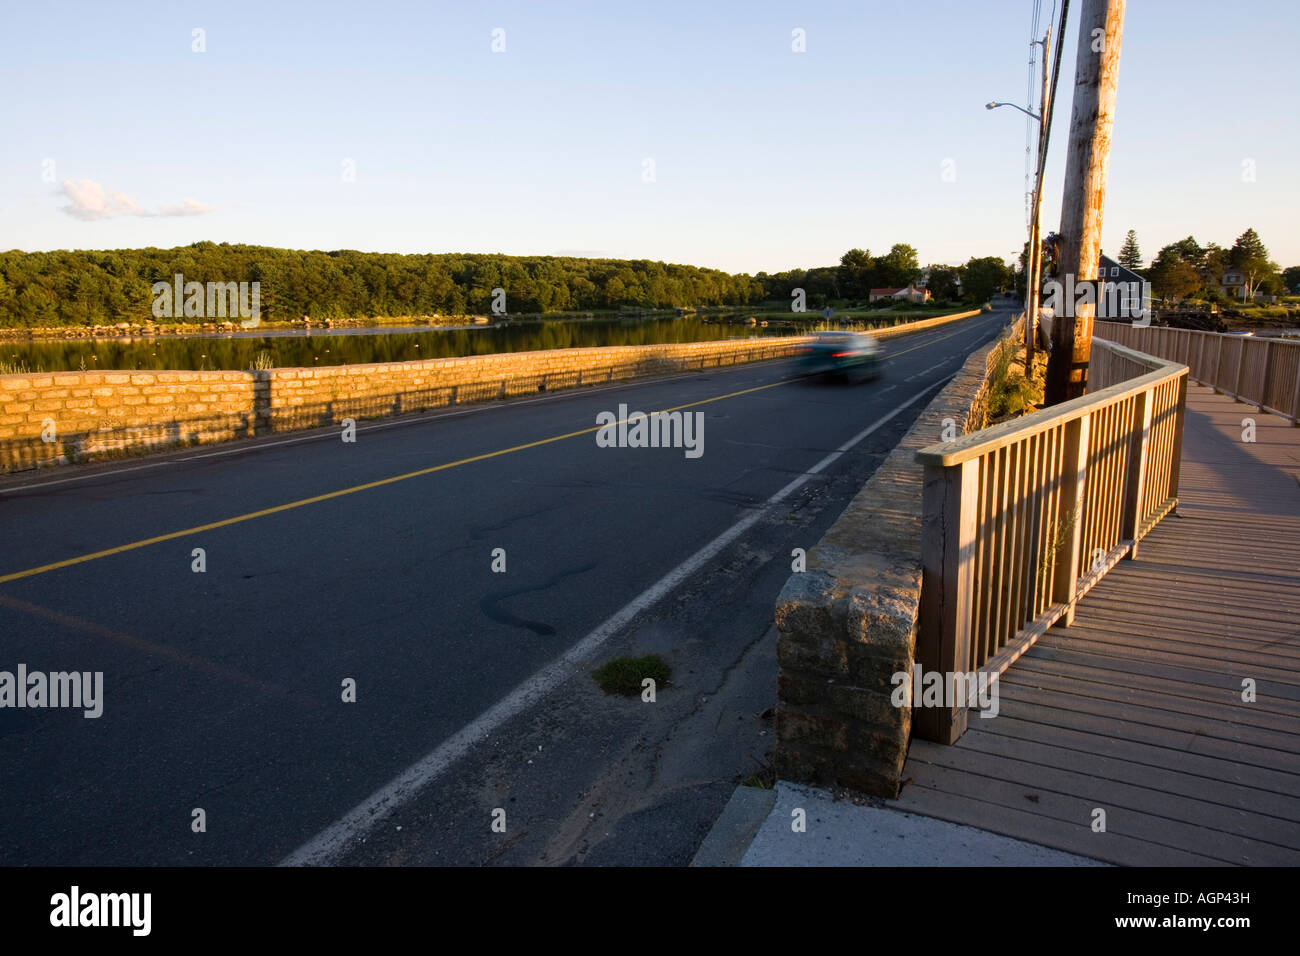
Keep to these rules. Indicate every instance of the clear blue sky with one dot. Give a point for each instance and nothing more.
(764, 159)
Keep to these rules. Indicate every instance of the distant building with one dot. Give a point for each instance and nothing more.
(1121, 292)
(909, 293)
(1233, 284)
(1108, 270)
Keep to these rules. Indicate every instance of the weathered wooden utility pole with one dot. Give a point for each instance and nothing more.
(1101, 28)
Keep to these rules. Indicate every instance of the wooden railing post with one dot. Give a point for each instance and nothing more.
(1263, 386)
(1069, 515)
(1176, 452)
(1218, 366)
(949, 499)
(1241, 362)
(1135, 478)
(1295, 395)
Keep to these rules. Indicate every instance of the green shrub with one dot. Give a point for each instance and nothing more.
(623, 675)
(1010, 394)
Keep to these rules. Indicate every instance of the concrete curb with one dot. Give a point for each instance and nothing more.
(733, 832)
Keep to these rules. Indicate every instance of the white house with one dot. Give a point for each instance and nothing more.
(909, 294)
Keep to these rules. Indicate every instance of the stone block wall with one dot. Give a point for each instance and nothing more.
(84, 414)
(300, 395)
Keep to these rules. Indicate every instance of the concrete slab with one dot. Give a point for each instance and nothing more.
(845, 834)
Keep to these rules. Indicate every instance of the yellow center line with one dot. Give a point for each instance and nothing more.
(315, 499)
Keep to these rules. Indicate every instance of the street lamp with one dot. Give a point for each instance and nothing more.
(1032, 116)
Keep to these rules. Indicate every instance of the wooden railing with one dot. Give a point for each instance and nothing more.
(1020, 520)
(1264, 372)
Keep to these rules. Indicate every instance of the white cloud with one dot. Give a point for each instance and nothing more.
(88, 200)
(189, 207)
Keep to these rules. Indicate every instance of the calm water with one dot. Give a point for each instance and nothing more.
(354, 346)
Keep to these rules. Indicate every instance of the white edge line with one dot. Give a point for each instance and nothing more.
(930, 369)
(326, 846)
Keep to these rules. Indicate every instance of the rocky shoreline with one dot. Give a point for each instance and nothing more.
(151, 329)
(155, 329)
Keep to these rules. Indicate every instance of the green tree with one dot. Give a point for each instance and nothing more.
(985, 276)
(1130, 256)
(855, 273)
(1173, 277)
(1190, 251)
(898, 267)
(1291, 279)
(37, 307)
(1272, 284)
(1214, 262)
(1249, 255)
(943, 282)
(81, 287)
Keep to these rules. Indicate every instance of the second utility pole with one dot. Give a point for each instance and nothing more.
(1035, 243)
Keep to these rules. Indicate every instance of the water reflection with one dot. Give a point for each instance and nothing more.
(311, 347)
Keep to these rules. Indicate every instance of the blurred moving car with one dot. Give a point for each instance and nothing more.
(851, 355)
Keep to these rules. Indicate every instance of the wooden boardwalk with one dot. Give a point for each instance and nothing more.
(1137, 708)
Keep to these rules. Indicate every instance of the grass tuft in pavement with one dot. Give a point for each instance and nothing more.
(764, 778)
(623, 675)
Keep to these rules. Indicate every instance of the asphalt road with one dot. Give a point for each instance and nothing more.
(223, 690)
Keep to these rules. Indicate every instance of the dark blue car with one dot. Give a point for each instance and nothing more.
(855, 356)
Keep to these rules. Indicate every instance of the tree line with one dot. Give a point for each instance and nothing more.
(1185, 269)
(45, 289)
(859, 272)
(82, 288)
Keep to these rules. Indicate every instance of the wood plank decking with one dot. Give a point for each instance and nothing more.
(1137, 708)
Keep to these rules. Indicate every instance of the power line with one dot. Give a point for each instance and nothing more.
(1046, 111)
(1036, 10)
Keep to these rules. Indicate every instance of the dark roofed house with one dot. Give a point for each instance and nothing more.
(1112, 271)
(1120, 290)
